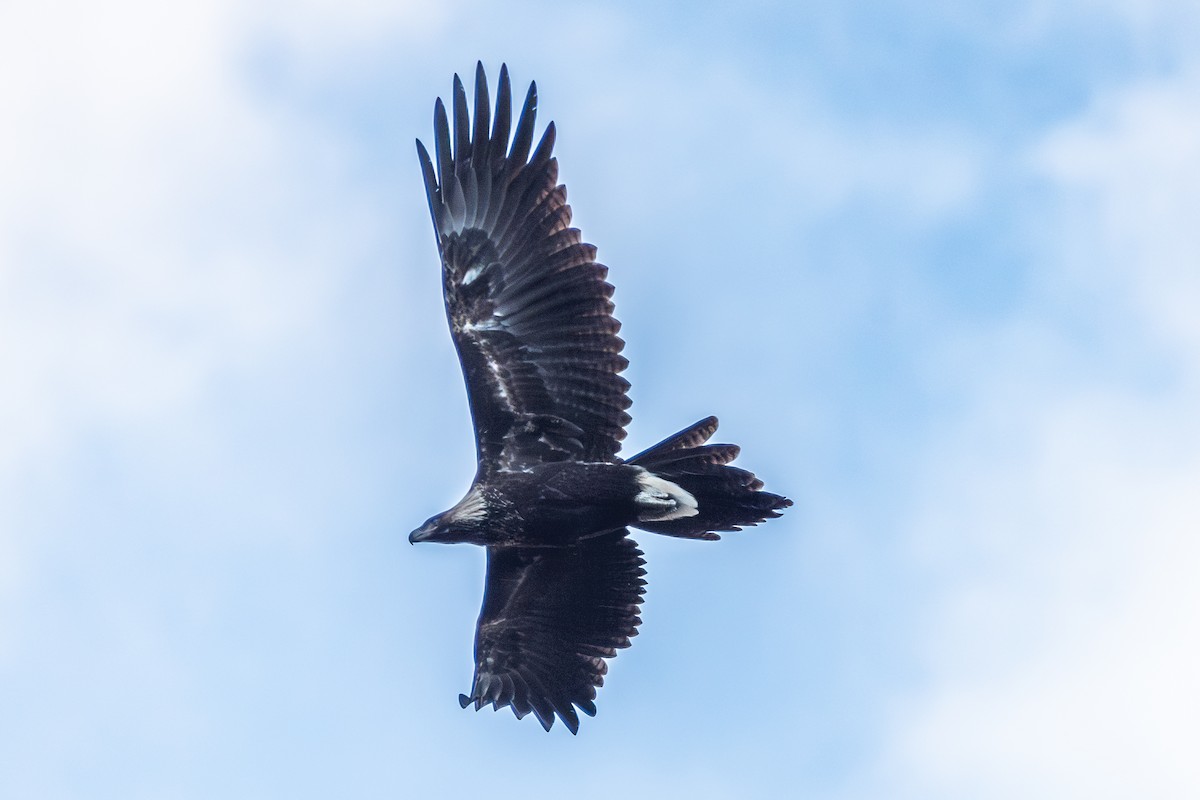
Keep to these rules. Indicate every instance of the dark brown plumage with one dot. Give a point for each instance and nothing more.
(530, 312)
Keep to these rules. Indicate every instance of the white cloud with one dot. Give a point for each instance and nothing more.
(724, 129)
(329, 31)
(1130, 173)
(159, 225)
(1063, 652)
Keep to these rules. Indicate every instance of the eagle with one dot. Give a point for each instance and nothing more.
(531, 316)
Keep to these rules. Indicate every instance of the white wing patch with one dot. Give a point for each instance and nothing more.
(494, 366)
(471, 274)
(492, 323)
(661, 500)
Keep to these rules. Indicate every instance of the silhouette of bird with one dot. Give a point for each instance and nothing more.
(531, 315)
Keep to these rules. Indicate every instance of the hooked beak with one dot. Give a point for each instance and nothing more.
(421, 534)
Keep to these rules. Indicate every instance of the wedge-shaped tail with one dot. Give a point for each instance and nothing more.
(727, 498)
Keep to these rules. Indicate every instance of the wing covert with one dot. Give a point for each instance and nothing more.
(529, 309)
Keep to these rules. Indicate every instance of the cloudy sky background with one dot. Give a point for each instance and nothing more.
(937, 270)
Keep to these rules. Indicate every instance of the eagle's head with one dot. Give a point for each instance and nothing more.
(464, 523)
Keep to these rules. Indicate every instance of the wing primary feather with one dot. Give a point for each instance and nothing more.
(432, 192)
(520, 699)
(566, 713)
(511, 216)
(487, 202)
(534, 189)
(462, 126)
(502, 125)
(455, 201)
(523, 138)
(543, 709)
(542, 154)
(471, 195)
(505, 695)
(483, 110)
(441, 142)
(479, 177)
(526, 192)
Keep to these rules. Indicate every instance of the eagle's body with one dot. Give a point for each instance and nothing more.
(556, 505)
(531, 317)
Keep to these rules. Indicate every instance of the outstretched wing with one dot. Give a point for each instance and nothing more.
(528, 306)
(550, 617)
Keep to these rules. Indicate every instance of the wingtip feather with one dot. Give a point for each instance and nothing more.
(523, 138)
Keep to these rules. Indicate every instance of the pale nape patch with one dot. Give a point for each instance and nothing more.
(471, 507)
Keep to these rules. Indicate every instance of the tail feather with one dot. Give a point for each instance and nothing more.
(715, 454)
(728, 498)
(691, 436)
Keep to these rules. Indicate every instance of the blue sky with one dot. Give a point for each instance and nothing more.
(935, 268)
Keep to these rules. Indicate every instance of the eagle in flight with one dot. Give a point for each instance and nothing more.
(531, 316)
